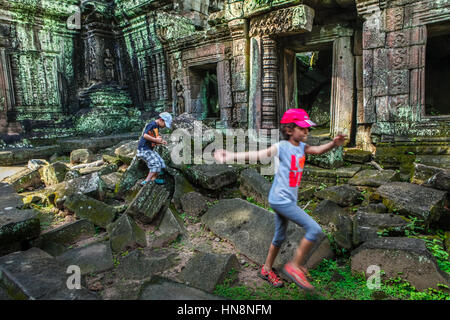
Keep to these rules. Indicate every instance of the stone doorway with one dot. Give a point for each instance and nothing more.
(204, 92)
(313, 84)
(437, 70)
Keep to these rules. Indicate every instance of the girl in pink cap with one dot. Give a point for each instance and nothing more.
(283, 194)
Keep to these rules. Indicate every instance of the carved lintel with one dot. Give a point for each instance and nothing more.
(286, 21)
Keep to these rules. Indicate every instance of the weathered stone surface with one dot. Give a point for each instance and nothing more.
(125, 233)
(422, 173)
(367, 225)
(34, 164)
(170, 223)
(148, 202)
(72, 174)
(252, 184)
(342, 228)
(102, 170)
(127, 151)
(306, 192)
(65, 235)
(326, 211)
(405, 257)
(358, 156)
(81, 156)
(159, 288)
(35, 275)
(206, 270)
(53, 173)
(410, 199)
(343, 195)
(90, 185)
(92, 258)
(111, 180)
(212, 176)
(97, 212)
(193, 204)
(374, 208)
(440, 180)
(137, 170)
(96, 143)
(20, 156)
(112, 160)
(182, 186)
(374, 178)
(24, 178)
(140, 265)
(250, 228)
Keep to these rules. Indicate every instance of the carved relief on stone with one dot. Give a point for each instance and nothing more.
(398, 58)
(398, 39)
(109, 64)
(92, 75)
(398, 82)
(283, 21)
(180, 103)
(394, 19)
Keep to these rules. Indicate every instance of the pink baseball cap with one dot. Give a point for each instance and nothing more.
(297, 116)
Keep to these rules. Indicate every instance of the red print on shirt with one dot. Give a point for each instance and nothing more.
(295, 175)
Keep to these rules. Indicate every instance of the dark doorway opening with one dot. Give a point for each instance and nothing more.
(314, 80)
(437, 70)
(205, 92)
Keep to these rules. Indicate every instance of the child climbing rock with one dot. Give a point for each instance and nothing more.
(149, 139)
(283, 194)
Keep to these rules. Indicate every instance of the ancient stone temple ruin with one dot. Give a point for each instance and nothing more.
(375, 70)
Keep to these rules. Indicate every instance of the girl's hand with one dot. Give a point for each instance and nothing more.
(221, 156)
(339, 139)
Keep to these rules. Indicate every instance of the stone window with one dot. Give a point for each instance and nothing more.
(204, 92)
(437, 70)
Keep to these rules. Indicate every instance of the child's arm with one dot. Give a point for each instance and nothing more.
(337, 141)
(223, 156)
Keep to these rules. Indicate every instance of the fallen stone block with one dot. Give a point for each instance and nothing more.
(97, 212)
(211, 176)
(36, 275)
(96, 257)
(148, 202)
(250, 228)
(440, 180)
(407, 258)
(182, 186)
(206, 270)
(24, 179)
(357, 156)
(125, 234)
(407, 199)
(326, 211)
(254, 185)
(374, 178)
(137, 170)
(111, 180)
(81, 156)
(367, 225)
(53, 173)
(127, 151)
(342, 230)
(34, 164)
(159, 288)
(343, 195)
(193, 204)
(137, 265)
(422, 173)
(170, 223)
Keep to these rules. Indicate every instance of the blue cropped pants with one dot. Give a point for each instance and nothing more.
(290, 211)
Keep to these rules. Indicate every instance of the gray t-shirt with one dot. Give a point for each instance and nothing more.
(289, 173)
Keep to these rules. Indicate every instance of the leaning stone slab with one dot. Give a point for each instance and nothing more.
(206, 270)
(137, 170)
(367, 225)
(422, 173)
(440, 180)
(374, 178)
(37, 164)
(24, 178)
(193, 204)
(125, 233)
(252, 184)
(53, 173)
(159, 288)
(148, 202)
(111, 180)
(138, 265)
(65, 236)
(170, 223)
(410, 199)
(127, 151)
(405, 257)
(182, 186)
(36, 275)
(344, 195)
(211, 176)
(96, 257)
(250, 228)
(97, 212)
(342, 230)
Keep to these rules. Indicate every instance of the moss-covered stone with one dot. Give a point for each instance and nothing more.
(357, 155)
(24, 179)
(53, 173)
(88, 208)
(81, 156)
(125, 234)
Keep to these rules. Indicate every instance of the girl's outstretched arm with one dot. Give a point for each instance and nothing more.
(223, 156)
(337, 141)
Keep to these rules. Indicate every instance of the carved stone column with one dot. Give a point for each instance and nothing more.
(269, 83)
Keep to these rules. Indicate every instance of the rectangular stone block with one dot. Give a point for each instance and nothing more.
(417, 87)
(359, 72)
(398, 58)
(239, 81)
(416, 57)
(373, 38)
(398, 39)
(394, 18)
(367, 68)
(398, 82)
(382, 107)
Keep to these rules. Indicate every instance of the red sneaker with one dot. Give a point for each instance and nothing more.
(297, 276)
(271, 277)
